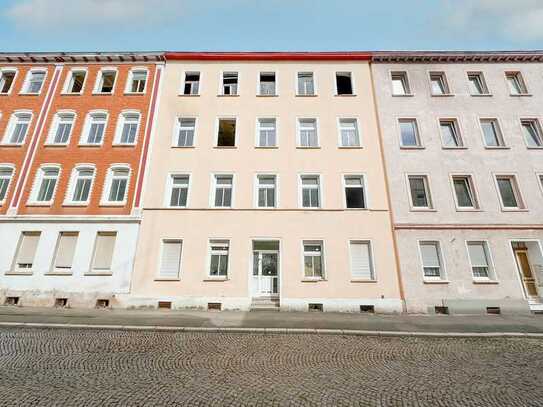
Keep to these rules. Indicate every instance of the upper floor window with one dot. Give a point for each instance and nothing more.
(191, 84)
(45, 185)
(400, 84)
(17, 128)
(267, 84)
(230, 83)
(307, 133)
(7, 77)
(179, 190)
(516, 83)
(311, 195)
(306, 84)
(80, 185)
(137, 81)
(477, 83)
(105, 82)
(450, 133)
(61, 128)
(355, 195)
(116, 188)
(266, 190)
(76, 81)
(6, 173)
(224, 184)
(226, 133)
(267, 133)
(492, 133)
(479, 257)
(409, 133)
(438, 83)
(432, 261)
(464, 191)
(127, 128)
(26, 251)
(348, 130)
(344, 83)
(532, 132)
(94, 129)
(34, 82)
(185, 130)
(419, 190)
(509, 192)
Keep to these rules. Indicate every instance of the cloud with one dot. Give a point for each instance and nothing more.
(515, 19)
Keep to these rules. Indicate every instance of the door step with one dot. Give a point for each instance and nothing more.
(265, 304)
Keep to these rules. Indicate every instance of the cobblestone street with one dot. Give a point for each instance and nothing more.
(108, 367)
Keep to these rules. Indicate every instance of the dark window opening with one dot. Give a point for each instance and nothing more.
(108, 80)
(227, 133)
(164, 305)
(230, 83)
(355, 198)
(315, 307)
(6, 80)
(101, 303)
(214, 306)
(267, 83)
(367, 309)
(192, 83)
(441, 310)
(78, 79)
(344, 83)
(493, 310)
(12, 301)
(61, 302)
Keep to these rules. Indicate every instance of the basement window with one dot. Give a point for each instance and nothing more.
(344, 83)
(230, 83)
(226, 136)
(12, 301)
(493, 310)
(61, 302)
(164, 305)
(102, 303)
(367, 309)
(214, 306)
(441, 310)
(315, 307)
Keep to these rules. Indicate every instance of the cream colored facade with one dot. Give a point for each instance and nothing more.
(288, 224)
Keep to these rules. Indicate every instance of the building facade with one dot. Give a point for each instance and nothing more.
(266, 187)
(464, 159)
(75, 134)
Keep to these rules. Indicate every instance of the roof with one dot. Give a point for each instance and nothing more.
(269, 56)
(457, 56)
(83, 57)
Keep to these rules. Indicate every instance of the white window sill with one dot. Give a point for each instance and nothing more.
(312, 279)
(404, 95)
(350, 147)
(468, 209)
(29, 93)
(12, 144)
(124, 144)
(113, 204)
(484, 281)
(18, 273)
(267, 96)
(188, 95)
(481, 95)
(56, 144)
(134, 93)
(267, 147)
(436, 281)
(187, 147)
(306, 96)
(75, 204)
(175, 207)
(90, 145)
(99, 273)
(362, 280)
(308, 148)
(227, 96)
(349, 95)
(221, 207)
(535, 148)
(166, 279)
(71, 93)
(102, 93)
(442, 95)
(423, 210)
(514, 210)
(412, 147)
(454, 148)
(497, 148)
(520, 94)
(213, 279)
(59, 273)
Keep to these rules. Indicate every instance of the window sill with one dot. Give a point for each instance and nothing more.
(412, 147)
(350, 147)
(454, 148)
(520, 94)
(12, 144)
(308, 148)
(469, 210)
(361, 280)
(497, 148)
(227, 96)
(38, 204)
(183, 147)
(266, 148)
(5, 94)
(18, 273)
(356, 209)
(53, 145)
(102, 93)
(134, 93)
(117, 145)
(214, 279)
(306, 96)
(483, 281)
(59, 273)
(312, 280)
(405, 95)
(442, 95)
(98, 273)
(166, 279)
(221, 207)
(267, 96)
(112, 204)
(348, 95)
(425, 281)
(423, 210)
(514, 210)
(225, 147)
(29, 94)
(75, 204)
(188, 95)
(535, 148)
(481, 95)
(89, 145)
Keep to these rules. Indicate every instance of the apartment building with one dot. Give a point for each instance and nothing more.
(266, 187)
(75, 132)
(464, 159)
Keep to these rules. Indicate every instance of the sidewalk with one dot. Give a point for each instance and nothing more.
(273, 321)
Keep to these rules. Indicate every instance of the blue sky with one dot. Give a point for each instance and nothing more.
(268, 25)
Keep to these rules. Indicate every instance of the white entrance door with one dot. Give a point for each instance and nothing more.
(265, 272)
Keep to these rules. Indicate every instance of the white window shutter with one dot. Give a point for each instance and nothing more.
(430, 256)
(28, 247)
(477, 254)
(65, 250)
(171, 259)
(103, 253)
(361, 260)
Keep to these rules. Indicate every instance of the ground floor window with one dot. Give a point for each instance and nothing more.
(218, 263)
(313, 259)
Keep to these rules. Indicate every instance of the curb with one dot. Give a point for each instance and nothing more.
(352, 332)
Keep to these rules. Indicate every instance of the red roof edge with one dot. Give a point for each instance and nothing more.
(269, 56)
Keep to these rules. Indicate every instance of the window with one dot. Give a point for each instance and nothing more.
(306, 84)
(192, 83)
(409, 133)
(226, 136)
(464, 192)
(45, 185)
(94, 130)
(17, 128)
(223, 191)
(34, 82)
(61, 129)
(516, 83)
(361, 260)
(307, 133)
(266, 191)
(106, 81)
(431, 260)
(532, 133)
(438, 83)
(479, 255)
(117, 184)
(127, 128)
(26, 251)
(348, 129)
(230, 83)
(80, 185)
(103, 252)
(65, 250)
(313, 260)
(492, 134)
(400, 84)
(344, 83)
(355, 196)
(310, 191)
(6, 81)
(267, 133)
(267, 86)
(6, 173)
(477, 83)
(186, 127)
(76, 82)
(420, 192)
(509, 192)
(541, 180)
(218, 261)
(138, 81)
(179, 190)
(450, 134)
(170, 260)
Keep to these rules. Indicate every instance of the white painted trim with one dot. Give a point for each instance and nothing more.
(420, 144)
(70, 189)
(315, 89)
(364, 177)
(65, 90)
(50, 140)
(95, 90)
(521, 203)
(372, 259)
(267, 71)
(443, 276)
(474, 191)
(163, 240)
(256, 190)
(10, 182)
(104, 201)
(298, 132)
(321, 241)
(458, 128)
(300, 190)
(26, 83)
(257, 131)
(207, 275)
(358, 130)
(429, 197)
(492, 274)
(9, 69)
(121, 119)
(353, 84)
(169, 185)
(177, 127)
(83, 139)
(500, 135)
(10, 127)
(214, 189)
(32, 199)
(216, 132)
(184, 79)
(221, 82)
(130, 77)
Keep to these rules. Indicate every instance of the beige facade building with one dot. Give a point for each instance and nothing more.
(266, 187)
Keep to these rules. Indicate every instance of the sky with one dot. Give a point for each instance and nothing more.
(269, 25)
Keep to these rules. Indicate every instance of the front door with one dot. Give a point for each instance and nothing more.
(526, 274)
(265, 272)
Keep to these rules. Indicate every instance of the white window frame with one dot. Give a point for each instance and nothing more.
(357, 127)
(499, 133)
(482, 80)
(26, 83)
(38, 179)
(473, 190)
(521, 203)
(9, 166)
(13, 120)
(67, 82)
(214, 190)
(320, 188)
(457, 128)
(353, 87)
(236, 132)
(83, 140)
(16, 72)
(523, 87)
(258, 128)
(258, 82)
(405, 82)
(221, 83)
(108, 182)
(299, 132)
(68, 199)
(371, 255)
(55, 124)
(539, 131)
(428, 188)
(314, 242)
(445, 83)
(177, 128)
(419, 144)
(121, 120)
(256, 189)
(218, 241)
(491, 273)
(99, 75)
(169, 188)
(315, 91)
(164, 241)
(130, 78)
(442, 278)
(183, 83)
(364, 188)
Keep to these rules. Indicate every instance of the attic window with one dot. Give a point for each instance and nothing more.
(344, 83)
(227, 133)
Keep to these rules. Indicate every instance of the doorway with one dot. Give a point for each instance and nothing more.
(265, 270)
